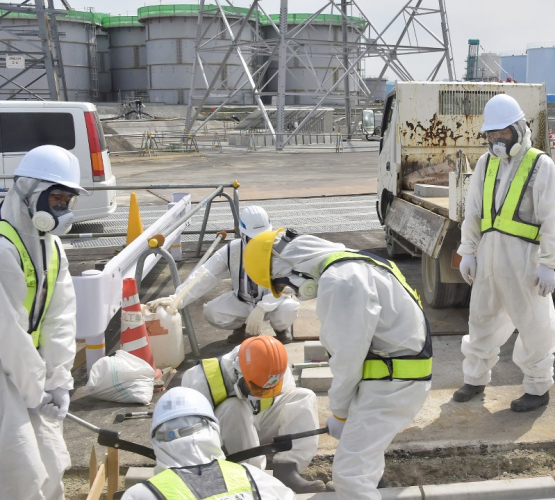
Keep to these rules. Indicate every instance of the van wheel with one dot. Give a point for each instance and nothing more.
(441, 295)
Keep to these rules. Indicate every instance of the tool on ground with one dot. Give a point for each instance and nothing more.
(107, 437)
(120, 417)
(280, 443)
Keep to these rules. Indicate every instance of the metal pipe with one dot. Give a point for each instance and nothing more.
(222, 235)
(83, 423)
(84, 236)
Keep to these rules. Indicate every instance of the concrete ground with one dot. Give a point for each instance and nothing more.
(442, 428)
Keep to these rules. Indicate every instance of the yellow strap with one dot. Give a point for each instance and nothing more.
(169, 484)
(235, 477)
(406, 369)
(215, 380)
(265, 403)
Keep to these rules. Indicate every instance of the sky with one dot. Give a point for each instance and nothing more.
(502, 26)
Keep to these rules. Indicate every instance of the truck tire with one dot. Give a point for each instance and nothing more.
(441, 295)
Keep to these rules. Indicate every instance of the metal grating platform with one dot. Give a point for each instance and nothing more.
(306, 215)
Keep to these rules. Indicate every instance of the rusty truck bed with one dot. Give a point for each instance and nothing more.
(439, 206)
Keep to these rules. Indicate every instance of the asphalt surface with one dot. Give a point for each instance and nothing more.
(442, 425)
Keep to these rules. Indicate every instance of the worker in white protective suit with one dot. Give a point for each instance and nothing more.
(377, 336)
(247, 306)
(38, 311)
(190, 462)
(508, 256)
(255, 399)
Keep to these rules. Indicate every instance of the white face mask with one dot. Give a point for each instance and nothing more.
(499, 149)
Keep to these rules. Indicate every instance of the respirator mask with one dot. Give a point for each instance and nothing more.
(53, 210)
(243, 392)
(501, 146)
(304, 286)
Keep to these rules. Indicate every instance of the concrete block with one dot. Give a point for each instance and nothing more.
(430, 191)
(137, 475)
(410, 493)
(315, 351)
(508, 489)
(317, 379)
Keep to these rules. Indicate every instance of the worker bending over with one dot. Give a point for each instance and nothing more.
(373, 327)
(255, 399)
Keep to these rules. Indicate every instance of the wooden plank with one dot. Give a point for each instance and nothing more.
(112, 467)
(93, 466)
(435, 205)
(97, 487)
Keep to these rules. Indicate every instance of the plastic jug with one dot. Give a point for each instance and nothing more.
(165, 335)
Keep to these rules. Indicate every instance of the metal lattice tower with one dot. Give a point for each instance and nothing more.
(420, 27)
(32, 54)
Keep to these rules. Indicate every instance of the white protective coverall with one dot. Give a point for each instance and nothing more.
(230, 310)
(294, 410)
(361, 307)
(202, 447)
(34, 455)
(504, 294)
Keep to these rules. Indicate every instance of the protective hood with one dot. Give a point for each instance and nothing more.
(16, 211)
(303, 254)
(201, 447)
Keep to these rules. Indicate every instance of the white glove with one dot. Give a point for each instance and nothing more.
(162, 301)
(254, 321)
(335, 426)
(545, 278)
(60, 399)
(467, 267)
(45, 405)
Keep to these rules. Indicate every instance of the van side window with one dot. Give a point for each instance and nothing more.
(21, 132)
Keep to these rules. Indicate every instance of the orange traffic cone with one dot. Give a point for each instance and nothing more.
(134, 337)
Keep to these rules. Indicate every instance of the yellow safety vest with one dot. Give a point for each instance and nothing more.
(234, 479)
(418, 367)
(507, 220)
(30, 302)
(216, 383)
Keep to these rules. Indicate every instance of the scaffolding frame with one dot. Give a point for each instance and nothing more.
(347, 55)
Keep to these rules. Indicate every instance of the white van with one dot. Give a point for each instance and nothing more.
(74, 126)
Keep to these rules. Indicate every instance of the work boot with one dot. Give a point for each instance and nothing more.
(287, 473)
(285, 336)
(238, 335)
(467, 392)
(529, 402)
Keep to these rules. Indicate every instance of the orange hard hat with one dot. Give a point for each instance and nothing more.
(263, 361)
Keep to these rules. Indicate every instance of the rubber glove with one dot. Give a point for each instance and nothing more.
(60, 398)
(254, 321)
(44, 406)
(335, 426)
(545, 278)
(467, 267)
(162, 301)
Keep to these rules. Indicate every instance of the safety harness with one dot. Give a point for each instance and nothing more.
(414, 367)
(506, 220)
(218, 479)
(28, 268)
(216, 384)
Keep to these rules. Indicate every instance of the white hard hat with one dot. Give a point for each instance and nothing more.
(501, 111)
(53, 164)
(254, 220)
(181, 402)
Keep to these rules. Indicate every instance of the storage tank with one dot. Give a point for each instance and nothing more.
(540, 66)
(488, 67)
(170, 53)
(325, 59)
(513, 66)
(127, 56)
(78, 43)
(378, 87)
(103, 60)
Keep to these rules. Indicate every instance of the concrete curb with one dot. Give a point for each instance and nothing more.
(537, 488)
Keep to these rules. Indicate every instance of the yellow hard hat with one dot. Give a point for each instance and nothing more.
(257, 259)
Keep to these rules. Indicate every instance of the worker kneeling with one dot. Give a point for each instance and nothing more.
(377, 336)
(190, 462)
(244, 309)
(255, 399)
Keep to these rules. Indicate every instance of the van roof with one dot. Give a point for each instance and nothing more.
(85, 106)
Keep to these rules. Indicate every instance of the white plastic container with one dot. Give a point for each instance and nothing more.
(165, 335)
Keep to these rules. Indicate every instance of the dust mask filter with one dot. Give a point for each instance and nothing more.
(305, 287)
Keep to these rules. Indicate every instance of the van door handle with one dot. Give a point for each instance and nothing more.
(388, 166)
